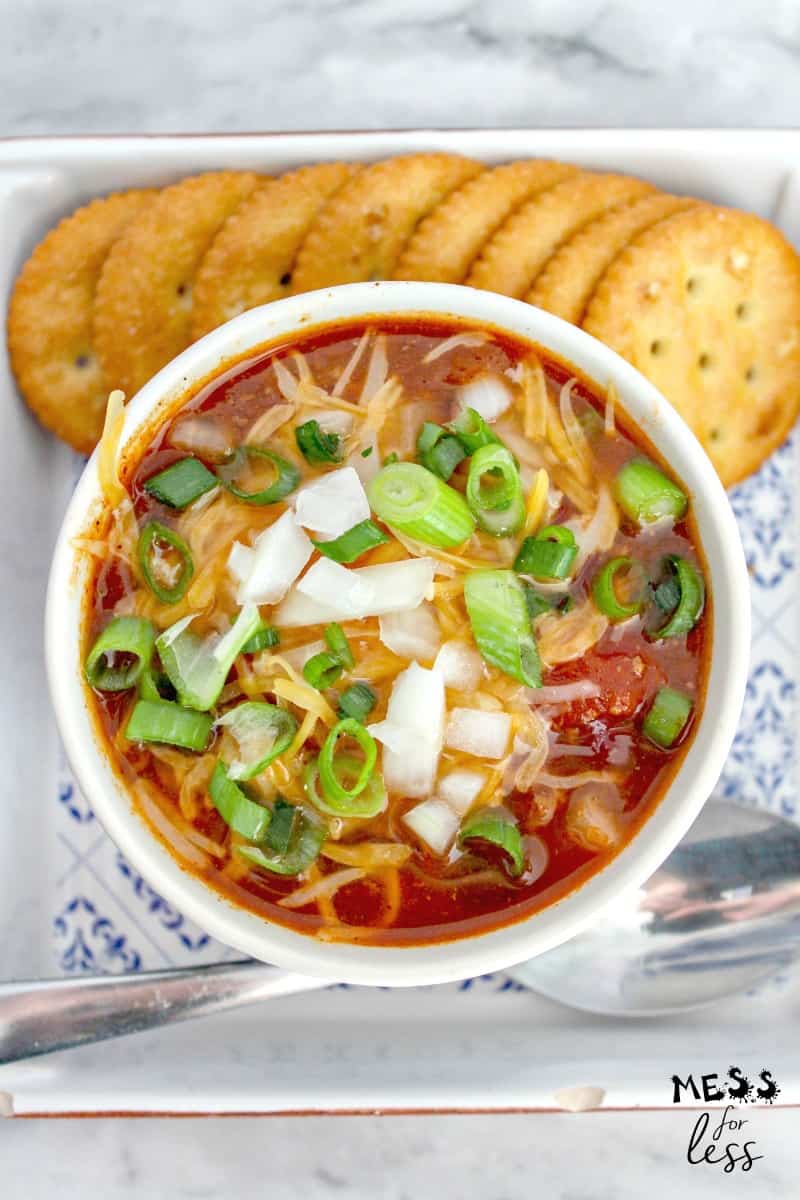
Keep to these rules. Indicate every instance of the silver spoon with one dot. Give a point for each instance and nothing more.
(635, 962)
(720, 916)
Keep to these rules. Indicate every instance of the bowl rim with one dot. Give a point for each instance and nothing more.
(689, 787)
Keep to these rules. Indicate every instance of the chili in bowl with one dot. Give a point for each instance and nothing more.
(394, 629)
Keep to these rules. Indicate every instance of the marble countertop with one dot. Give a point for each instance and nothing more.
(194, 65)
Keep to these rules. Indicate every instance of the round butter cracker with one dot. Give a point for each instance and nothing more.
(251, 260)
(50, 340)
(447, 242)
(566, 282)
(511, 260)
(143, 304)
(363, 229)
(707, 305)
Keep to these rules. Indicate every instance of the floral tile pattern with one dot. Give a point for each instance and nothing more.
(108, 918)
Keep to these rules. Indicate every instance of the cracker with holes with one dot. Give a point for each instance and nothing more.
(707, 305)
(447, 242)
(362, 231)
(250, 261)
(511, 260)
(50, 319)
(567, 280)
(143, 303)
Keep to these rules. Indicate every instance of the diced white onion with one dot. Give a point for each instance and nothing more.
(620, 752)
(594, 818)
(335, 421)
(298, 656)
(460, 789)
(435, 823)
(563, 693)
(489, 395)
(413, 633)
(366, 468)
(353, 593)
(279, 555)
(333, 504)
(413, 731)
(460, 666)
(484, 734)
(240, 561)
(536, 858)
(328, 579)
(207, 436)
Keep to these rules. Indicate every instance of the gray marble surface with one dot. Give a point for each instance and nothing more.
(194, 65)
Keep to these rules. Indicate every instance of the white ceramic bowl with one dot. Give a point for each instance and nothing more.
(403, 966)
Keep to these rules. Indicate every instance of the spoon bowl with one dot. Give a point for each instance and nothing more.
(720, 916)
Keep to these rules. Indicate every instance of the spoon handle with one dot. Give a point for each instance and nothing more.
(56, 1014)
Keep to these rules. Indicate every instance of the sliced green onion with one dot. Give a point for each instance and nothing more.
(366, 453)
(316, 445)
(322, 670)
(472, 431)
(152, 541)
(498, 828)
(391, 458)
(262, 731)
(500, 624)
(263, 639)
(334, 790)
(535, 602)
(163, 721)
(369, 802)
(667, 594)
(243, 815)
(421, 505)
(645, 494)
(667, 717)
(353, 543)
(198, 667)
(338, 644)
(604, 590)
(282, 827)
(691, 600)
(438, 450)
(182, 483)
(286, 478)
(357, 702)
(148, 686)
(548, 555)
(155, 685)
(305, 842)
(494, 491)
(121, 654)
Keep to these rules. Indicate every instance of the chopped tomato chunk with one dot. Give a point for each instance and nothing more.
(625, 681)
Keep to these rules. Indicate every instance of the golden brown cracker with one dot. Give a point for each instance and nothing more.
(143, 304)
(512, 259)
(250, 261)
(707, 305)
(446, 243)
(362, 230)
(50, 319)
(567, 280)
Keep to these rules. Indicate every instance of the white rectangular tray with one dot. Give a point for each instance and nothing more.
(69, 902)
